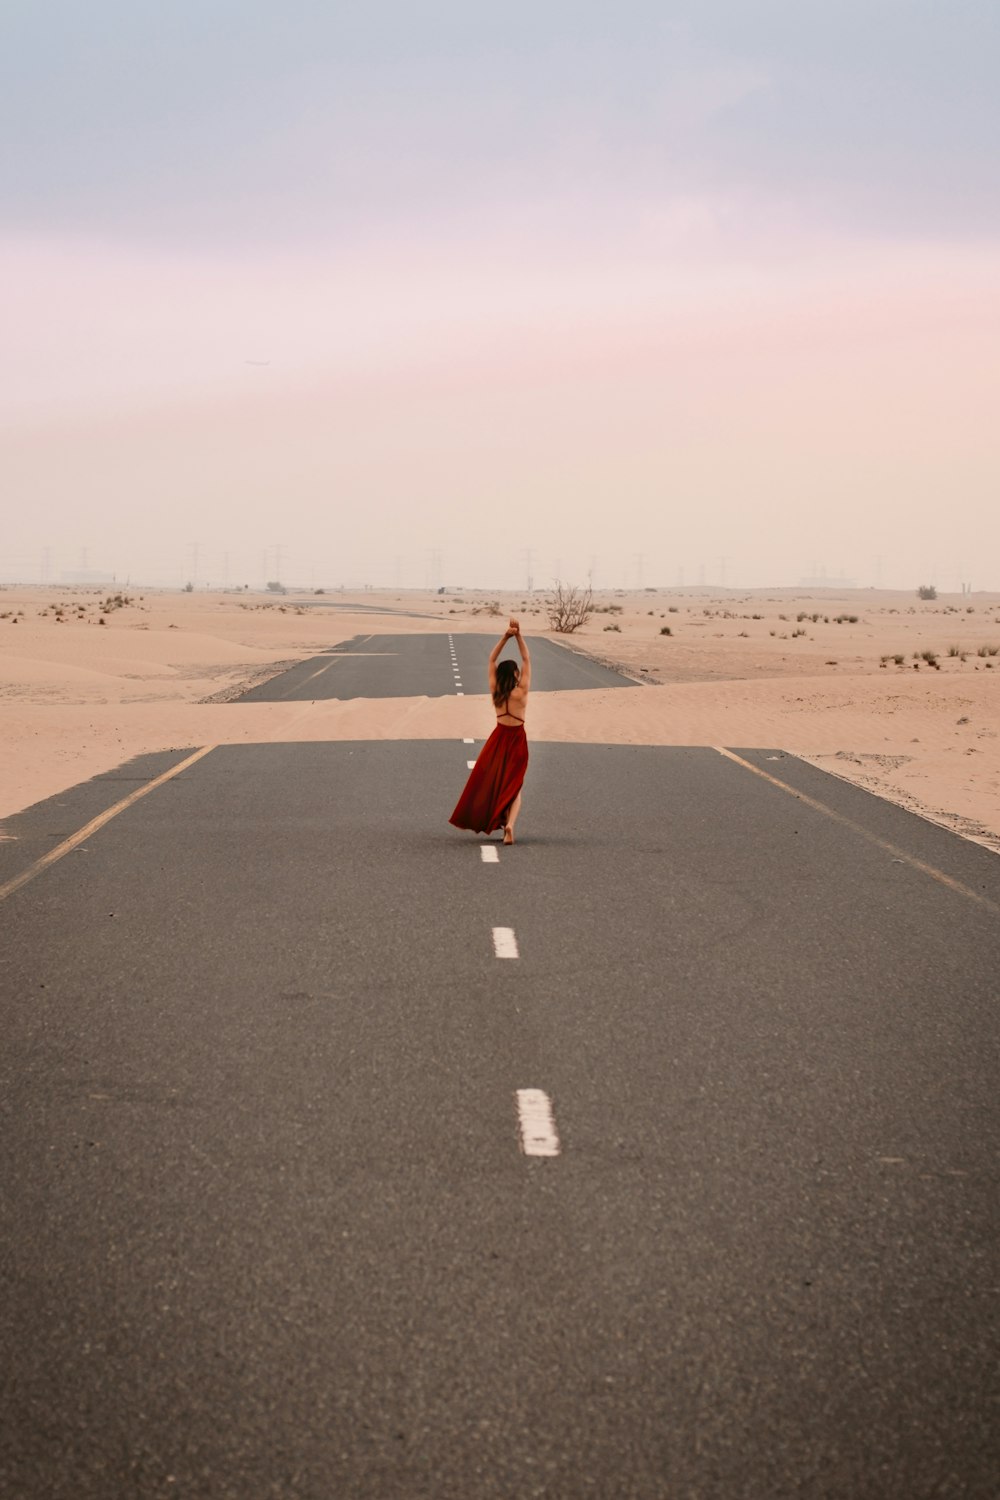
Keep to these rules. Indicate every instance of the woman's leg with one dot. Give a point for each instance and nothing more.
(512, 812)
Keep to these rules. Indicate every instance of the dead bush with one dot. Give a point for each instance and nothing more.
(570, 607)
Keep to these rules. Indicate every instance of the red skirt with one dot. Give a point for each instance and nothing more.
(494, 780)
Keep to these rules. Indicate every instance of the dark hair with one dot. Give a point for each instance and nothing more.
(507, 675)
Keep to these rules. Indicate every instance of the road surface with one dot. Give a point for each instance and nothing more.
(402, 666)
(271, 1227)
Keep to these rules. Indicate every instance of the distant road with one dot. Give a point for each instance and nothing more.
(365, 609)
(271, 1221)
(401, 666)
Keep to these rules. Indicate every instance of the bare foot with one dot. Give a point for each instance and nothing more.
(508, 835)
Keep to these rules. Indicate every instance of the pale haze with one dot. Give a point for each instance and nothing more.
(416, 293)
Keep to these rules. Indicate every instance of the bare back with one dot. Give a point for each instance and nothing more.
(513, 708)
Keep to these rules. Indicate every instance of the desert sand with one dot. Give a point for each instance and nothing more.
(897, 694)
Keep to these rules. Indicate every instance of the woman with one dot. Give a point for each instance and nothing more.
(492, 795)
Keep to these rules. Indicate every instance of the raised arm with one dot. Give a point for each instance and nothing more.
(494, 654)
(514, 629)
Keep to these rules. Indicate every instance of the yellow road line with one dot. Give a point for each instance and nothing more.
(873, 838)
(296, 686)
(76, 839)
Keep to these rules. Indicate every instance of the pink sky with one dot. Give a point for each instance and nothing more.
(803, 401)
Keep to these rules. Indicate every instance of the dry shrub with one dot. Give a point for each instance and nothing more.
(570, 607)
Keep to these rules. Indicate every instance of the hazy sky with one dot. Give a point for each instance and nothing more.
(699, 287)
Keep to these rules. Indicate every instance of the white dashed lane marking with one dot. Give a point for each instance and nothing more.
(468, 742)
(505, 943)
(538, 1128)
(470, 764)
(489, 854)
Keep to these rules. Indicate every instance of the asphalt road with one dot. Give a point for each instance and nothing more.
(353, 608)
(402, 666)
(268, 1230)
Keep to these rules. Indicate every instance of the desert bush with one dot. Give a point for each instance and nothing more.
(189, 587)
(570, 607)
(954, 651)
(927, 591)
(665, 630)
(614, 627)
(988, 651)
